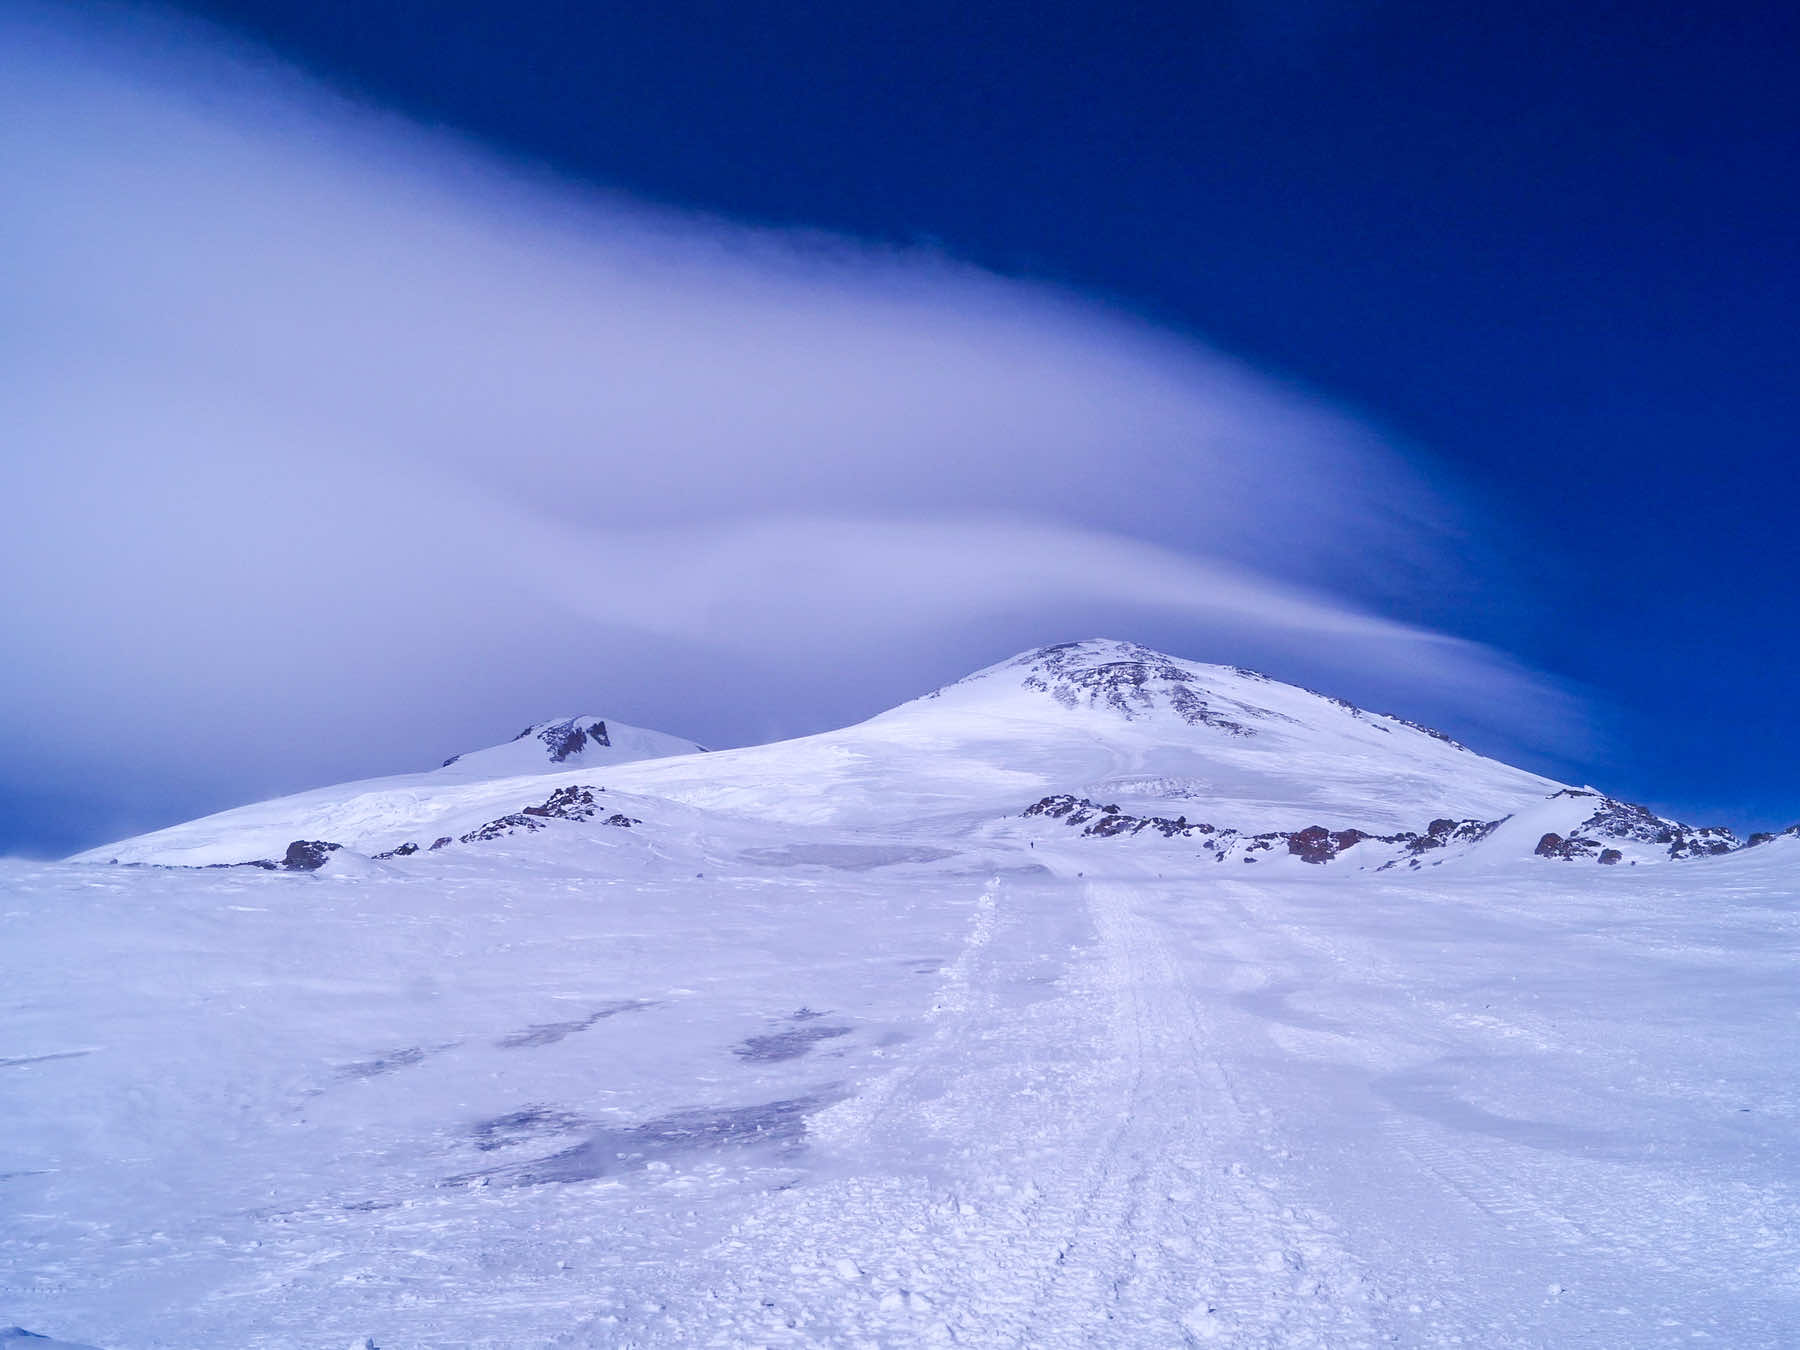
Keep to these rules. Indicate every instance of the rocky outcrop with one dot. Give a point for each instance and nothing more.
(575, 803)
(1553, 845)
(1314, 844)
(1432, 732)
(1598, 838)
(1107, 821)
(1134, 683)
(1627, 822)
(567, 803)
(1770, 836)
(308, 855)
(565, 739)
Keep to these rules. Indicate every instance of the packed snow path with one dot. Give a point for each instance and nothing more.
(1184, 1146)
(966, 1101)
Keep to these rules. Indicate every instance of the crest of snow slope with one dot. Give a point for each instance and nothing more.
(379, 813)
(1115, 721)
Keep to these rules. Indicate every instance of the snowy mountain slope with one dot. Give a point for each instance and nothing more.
(1568, 825)
(840, 1041)
(560, 1090)
(376, 814)
(566, 745)
(1118, 722)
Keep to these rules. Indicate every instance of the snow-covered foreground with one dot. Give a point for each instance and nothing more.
(844, 1041)
(964, 1101)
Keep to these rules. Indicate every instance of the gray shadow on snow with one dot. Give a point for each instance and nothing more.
(1431, 1093)
(549, 1033)
(24, 1060)
(524, 1126)
(778, 1125)
(784, 1045)
(846, 857)
(388, 1063)
(1271, 1003)
(393, 1061)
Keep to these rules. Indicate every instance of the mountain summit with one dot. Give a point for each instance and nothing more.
(1093, 740)
(568, 743)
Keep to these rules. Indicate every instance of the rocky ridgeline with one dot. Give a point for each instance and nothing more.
(1315, 844)
(578, 803)
(562, 739)
(1131, 685)
(1135, 682)
(568, 738)
(1597, 838)
(567, 803)
(1616, 821)
(1770, 836)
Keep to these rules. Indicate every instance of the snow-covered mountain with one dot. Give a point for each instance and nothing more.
(367, 815)
(565, 744)
(1099, 998)
(1087, 741)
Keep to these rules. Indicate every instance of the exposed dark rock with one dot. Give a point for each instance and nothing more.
(1628, 821)
(1553, 845)
(440, 841)
(1443, 832)
(405, 850)
(1314, 844)
(566, 803)
(570, 738)
(308, 855)
(1611, 856)
(1432, 732)
(1112, 824)
(505, 825)
(1195, 712)
(1129, 686)
(1111, 821)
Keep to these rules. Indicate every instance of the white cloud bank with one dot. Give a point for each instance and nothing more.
(327, 438)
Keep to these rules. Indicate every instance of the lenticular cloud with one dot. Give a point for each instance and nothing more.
(309, 407)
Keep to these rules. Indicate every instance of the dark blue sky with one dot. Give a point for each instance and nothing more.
(1554, 244)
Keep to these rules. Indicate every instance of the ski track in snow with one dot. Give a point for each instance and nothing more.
(1068, 1111)
(832, 1047)
(1101, 1176)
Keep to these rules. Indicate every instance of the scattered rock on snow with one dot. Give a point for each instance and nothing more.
(308, 855)
(566, 803)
